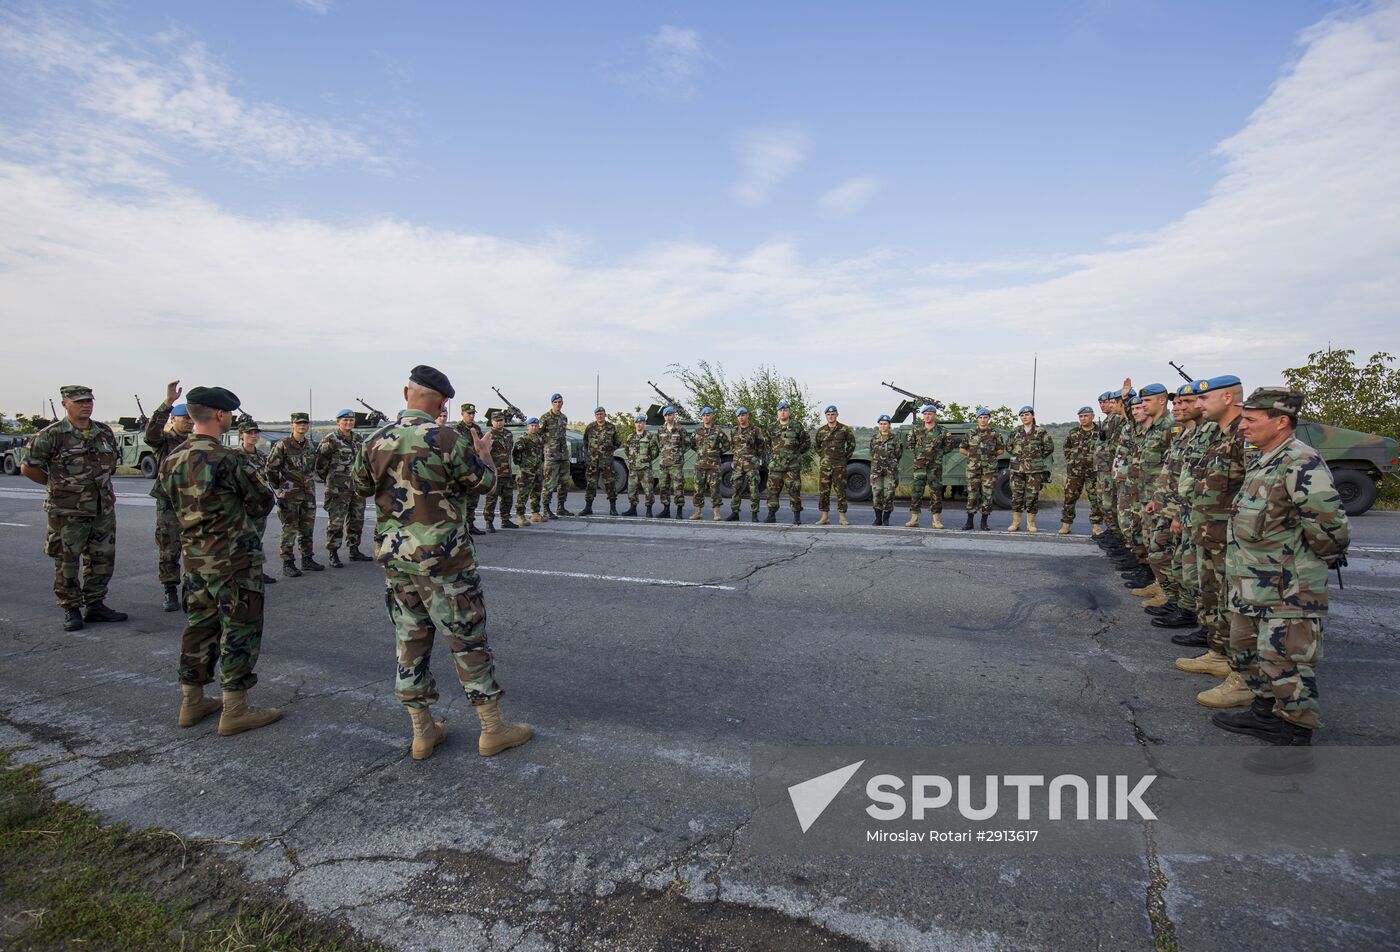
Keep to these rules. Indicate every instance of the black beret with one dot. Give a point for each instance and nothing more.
(433, 379)
(215, 397)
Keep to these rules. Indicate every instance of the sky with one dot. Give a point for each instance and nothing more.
(302, 199)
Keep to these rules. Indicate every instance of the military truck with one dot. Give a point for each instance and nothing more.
(1359, 461)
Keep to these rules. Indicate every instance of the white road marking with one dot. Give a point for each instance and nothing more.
(17, 525)
(676, 583)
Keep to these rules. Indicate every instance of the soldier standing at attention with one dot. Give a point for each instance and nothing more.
(641, 450)
(599, 443)
(1031, 449)
(344, 510)
(291, 468)
(501, 444)
(983, 447)
(248, 433)
(1080, 444)
(886, 450)
(75, 458)
(929, 444)
(419, 475)
(834, 443)
(163, 439)
(218, 499)
(1152, 454)
(469, 428)
(673, 441)
(1111, 406)
(1196, 439)
(554, 430)
(788, 441)
(529, 456)
(711, 443)
(746, 444)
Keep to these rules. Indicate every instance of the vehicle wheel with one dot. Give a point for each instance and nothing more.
(1357, 489)
(148, 466)
(11, 467)
(857, 482)
(619, 476)
(726, 480)
(1001, 490)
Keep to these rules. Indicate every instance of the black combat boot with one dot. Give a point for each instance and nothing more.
(984, 527)
(563, 510)
(548, 512)
(733, 514)
(1177, 619)
(471, 527)
(268, 579)
(1191, 639)
(100, 612)
(335, 559)
(587, 508)
(72, 619)
(172, 598)
(797, 517)
(879, 518)
(490, 524)
(680, 510)
(649, 505)
(630, 510)
(772, 515)
(1168, 609)
(309, 564)
(612, 507)
(1259, 721)
(753, 516)
(967, 526)
(1142, 579)
(665, 511)
(506, 523)
(357, 556)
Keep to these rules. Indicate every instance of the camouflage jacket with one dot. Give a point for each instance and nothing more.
(1031, 450)
(711, 443)
(334, 457)
(528, 452)
(420, 475)
(886, 450)
(1166, 485)
(1152, 451)
(929, 445)
(1109, 431)
(217, 498)
(257, 460)
(674, 441)
(468, 429)
(501, 444)
(80, 464)
(554, 434)
(747, 445)
(1081, 446)
(1221, 473)
(835, 442)
(787, 442)
(1125, 448)
(983, 449)
(291, 469)
(641, 450)
(600, 439)
(157, 437)
(1287, 528)
(1197, 440)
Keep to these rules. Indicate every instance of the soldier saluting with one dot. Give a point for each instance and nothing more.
(164, 440)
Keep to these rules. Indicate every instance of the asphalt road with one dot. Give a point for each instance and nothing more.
(652, 658)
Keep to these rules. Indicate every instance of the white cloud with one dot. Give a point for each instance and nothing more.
(766, 158)
(320, 7)
(670, 66)
(850, 197)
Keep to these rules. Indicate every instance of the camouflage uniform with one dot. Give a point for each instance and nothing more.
(641, 451)
(1168, 507)
(886, 450)
(218, 499)
(167, 526)
(82, 530)
(469, 430)
(674, 440)
(1156, 532)
(1081, 447)
(257, 461)
(344, 509)
(554, 429)
(787, 442)
(1220, 476)
(929, 445)
(711, 443)
(1031, 451)
(1124, 476)
(747, 446)
(291, 468)
(419, 475)
(984, 448)
(599, 442)
(1104, 449)
(501, 445)
(834, 443)
(528, 454)
(1286, 530)
(1197, 440)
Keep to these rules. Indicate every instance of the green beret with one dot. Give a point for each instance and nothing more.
(300, 417)
(74, 392)
(214, 397)
(1275, 398)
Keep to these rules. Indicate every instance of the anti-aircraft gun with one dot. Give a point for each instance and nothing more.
(681, 411)
(512, 413)
(374, 418)
(911, 404)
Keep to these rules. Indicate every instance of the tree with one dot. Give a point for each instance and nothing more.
(1339, 393)
(22, 424)
(759, 393)
(1002, 417)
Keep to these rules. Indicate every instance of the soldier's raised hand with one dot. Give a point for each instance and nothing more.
(482, 445)
(1127, 385)
(172, 392)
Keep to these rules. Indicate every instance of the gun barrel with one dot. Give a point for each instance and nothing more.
(1177, 367)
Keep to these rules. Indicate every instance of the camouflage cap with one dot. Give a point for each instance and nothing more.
(75, 392)
(300, 417)
(497, 415)
(1274, 398)
(469, 408)
(216, 397)
(248, 425)
(599, 410)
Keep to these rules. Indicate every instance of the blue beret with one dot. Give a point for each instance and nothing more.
(668, 411)
(1026, 409)
(1134, 400)
(928, 408)
(1152, 390)
(599, 410)
(533, 419)
(1186, 390)
(707, 410)
(433, 379)
(1086, 409)
(831, 409)
(345, 413)
(555, 396)
(784, 405)
(1108, 395)
(1215, 383)
(179, 409)
(740, 411)
(983, 411)
(884, 418)
(640, 418)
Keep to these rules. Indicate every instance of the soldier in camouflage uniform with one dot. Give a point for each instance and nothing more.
(1287, 531)
(345, 511)
(1080, 475)
(599, 444)
(1166, 507)
(711, 443)
(75, 458)
(929, 444)
(1196, 440)
(218, 498)
(248, 433)
(1031, 450)
(419, 475)
(673, 441)
(886, 450)
(747, 446)
(1152, 447)
(641, 451)
(528, 455)
(1127, 481)
(834, 443)
(982, 447)
(554, 434)
(501, 445)
(787, 441)
(291, 470)
(469, 428)
(1110, 431)
(163, 440)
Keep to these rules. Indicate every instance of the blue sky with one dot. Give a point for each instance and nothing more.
(607, 188)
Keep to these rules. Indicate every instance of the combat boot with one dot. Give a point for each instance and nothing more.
(268, 579)
(1150, 590)
(841, 518)
(334, 559)
(536, 517)
(772, 515)
(357, 556)
(680, 509)
(824, 519)
(1015, 523)
(563, 509)
(172, 598)
(968, 526)
(100, 612)
(1212, 663)
(797, 517)
(1232, 692)
(1259, 720)
(913, 519)
(665, 511)
(879, 518)
(984, 525)
(935, 522)
(507, 522)
(1064, 528)
(491, 525)
(649, 510)
(1030, 522)
(587, 508)
(717, 517)
(498, 734)
(1159, 610)
(753, 516)
(1156, 601)
(1097, 530)
(547, 514)
(733, 514)
(427, 733)
(239, 717)
(612, 507)
(72, 619)
(1177, 619)
(309, 564)
(1192, 639)
(696, 515)
(195, 707)
(471, 527)
(632, 510)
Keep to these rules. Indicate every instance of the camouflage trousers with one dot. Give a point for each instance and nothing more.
(260, 524)
(789, 476)
(932, 477)
(422, 606)
(527, 491)
(223, 626)
(1025, 491)
(640, 482)
(1107, 501)
(1276, 657)
(1088, 484)
(600, 470)
(472, 500)
(831, 481)
(672, 482)
(167, 545)
(298, 519)
(503, 492)
(1129, 525)
(882, 487)
(746, 483)
(86, 543)
(556, 479)
(980, 485)
(1210, 605)
(1185, 570)
(706, 484)
(1161, 543)
(346, 512)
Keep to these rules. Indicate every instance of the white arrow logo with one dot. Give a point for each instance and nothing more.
(810, 798)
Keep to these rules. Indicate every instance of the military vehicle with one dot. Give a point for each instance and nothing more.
(1359, 461)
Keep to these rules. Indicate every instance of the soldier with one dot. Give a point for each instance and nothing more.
(599, 444)
(419, 474)
(834, 443)
(291, 469)
(1126, 473)
(983, 447)
(469, 428)
(344, 510)
(75, 458)
(1031, 449)
(929, 444)
(1195, 441)
(1080, 475)
(1153, 446)
(168, 427)
(528, 454)
(248, 433)
(747, 446)
(501, 445)
(1110, 432)
(711, 443)
(886, 450)
(641, 451)
(1165, 508)
(673, 441)
(218, 498)
(788, 441)
(554, 434)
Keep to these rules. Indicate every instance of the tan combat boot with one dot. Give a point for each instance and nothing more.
(196, 707)
(841, 518)
(1097, 530)
(696, 514)
(913, 520)
(1156, 601)
(498, 734)
(1150, 590)
(823, 520)
(1212, 662)
(1015, 523)
(1232, 692)
(239, 717)
(1030, 522)
(1064, 528)
(536, 517)
(936, 522)
(427, 733)
(718, 517)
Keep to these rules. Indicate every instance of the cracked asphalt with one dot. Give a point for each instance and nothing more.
(624, 823)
